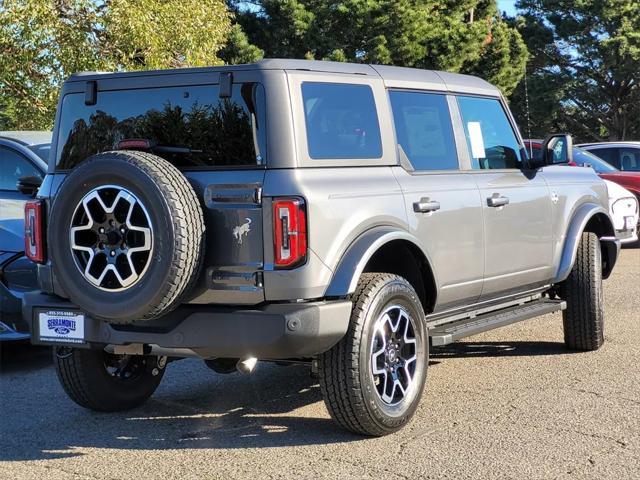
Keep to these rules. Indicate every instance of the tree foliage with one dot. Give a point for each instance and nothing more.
(584, 75)
(43, 41)
(461, 36)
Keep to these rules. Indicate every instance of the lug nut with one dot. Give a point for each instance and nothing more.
(113, 253)
(101, 230)
(121, 229)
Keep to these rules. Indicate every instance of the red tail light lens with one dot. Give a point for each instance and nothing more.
(289, 232)
(33, 234)
(134, 144)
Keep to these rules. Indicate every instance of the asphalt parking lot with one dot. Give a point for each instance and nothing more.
(512, 403)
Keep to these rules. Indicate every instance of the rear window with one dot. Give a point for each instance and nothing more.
(190, 126)
(341, 121)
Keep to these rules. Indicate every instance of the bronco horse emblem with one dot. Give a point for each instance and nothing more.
(241, 230)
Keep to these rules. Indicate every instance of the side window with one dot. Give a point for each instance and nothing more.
(630, 159)
(491, 140)
(424, 130)
(609, 155)
(12, 167)
(341, 121)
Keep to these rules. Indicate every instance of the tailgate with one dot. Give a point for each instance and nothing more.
(234, 256)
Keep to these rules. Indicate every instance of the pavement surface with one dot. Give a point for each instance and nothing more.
(512, 403)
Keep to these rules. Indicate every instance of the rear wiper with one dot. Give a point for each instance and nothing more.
(173, 149)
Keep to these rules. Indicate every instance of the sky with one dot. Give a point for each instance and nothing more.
(507, 6)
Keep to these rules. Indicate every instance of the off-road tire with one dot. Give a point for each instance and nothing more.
(177, 226)
(85, 379)
(583, 319)
(344, 370)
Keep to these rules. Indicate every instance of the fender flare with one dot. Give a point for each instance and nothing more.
(609, 244)
(359, 252)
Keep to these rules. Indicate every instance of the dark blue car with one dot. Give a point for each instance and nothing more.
(23, 157)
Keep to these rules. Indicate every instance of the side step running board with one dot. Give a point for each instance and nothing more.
(450, 332)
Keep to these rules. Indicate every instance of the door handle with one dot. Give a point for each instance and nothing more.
(497, 200)
(425, 206)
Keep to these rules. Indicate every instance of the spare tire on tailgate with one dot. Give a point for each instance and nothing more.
(126, 236)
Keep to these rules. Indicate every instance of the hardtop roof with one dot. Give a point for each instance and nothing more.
(399, 77)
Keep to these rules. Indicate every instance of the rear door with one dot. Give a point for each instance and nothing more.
(516, 202)
(442, 203)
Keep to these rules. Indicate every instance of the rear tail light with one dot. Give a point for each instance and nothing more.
(289, 232)
(33, 232)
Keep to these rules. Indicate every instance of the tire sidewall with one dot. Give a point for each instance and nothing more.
(97, 172)
(102, 391)
(390, 418)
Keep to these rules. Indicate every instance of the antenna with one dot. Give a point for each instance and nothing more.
(526, 101)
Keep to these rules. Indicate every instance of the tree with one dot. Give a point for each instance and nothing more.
(44, 41)
(584, 75)
(460, 36)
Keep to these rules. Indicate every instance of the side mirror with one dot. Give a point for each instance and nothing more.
(29, 185)
(557, 149)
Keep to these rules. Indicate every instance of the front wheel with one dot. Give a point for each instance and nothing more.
(372, 380)
(583, 320)
(105, 382)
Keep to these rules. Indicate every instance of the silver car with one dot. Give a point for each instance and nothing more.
(350, 216)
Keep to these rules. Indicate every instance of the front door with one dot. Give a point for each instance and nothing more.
(442, 203)
(516, 202)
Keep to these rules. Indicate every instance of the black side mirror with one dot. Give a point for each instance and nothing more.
(29, 185)
(557, 149)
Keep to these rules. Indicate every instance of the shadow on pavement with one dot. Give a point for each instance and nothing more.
(498, 349)
(21, 356)
(193, 409)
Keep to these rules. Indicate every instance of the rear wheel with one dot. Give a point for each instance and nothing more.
(583, 320)
(105, 382)
(372, 380)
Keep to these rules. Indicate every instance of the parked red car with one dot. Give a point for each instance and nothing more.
(628, 179)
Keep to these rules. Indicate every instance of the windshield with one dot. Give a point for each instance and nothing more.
(582, 157)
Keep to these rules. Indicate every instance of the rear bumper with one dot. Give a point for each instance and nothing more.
(274, 331)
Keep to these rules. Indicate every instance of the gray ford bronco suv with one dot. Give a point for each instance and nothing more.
(349, 216)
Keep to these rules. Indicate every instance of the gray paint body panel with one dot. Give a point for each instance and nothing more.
(476, 253)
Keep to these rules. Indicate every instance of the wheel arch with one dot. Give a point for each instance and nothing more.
(594, 218)
(388, 250)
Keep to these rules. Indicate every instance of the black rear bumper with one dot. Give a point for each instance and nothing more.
(273, 331)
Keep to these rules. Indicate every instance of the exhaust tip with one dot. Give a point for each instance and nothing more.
(247, 365)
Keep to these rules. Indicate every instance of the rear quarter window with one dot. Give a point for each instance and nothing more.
(341, 121)
(190, 126)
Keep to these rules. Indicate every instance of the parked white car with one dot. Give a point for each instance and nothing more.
(623, 206)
